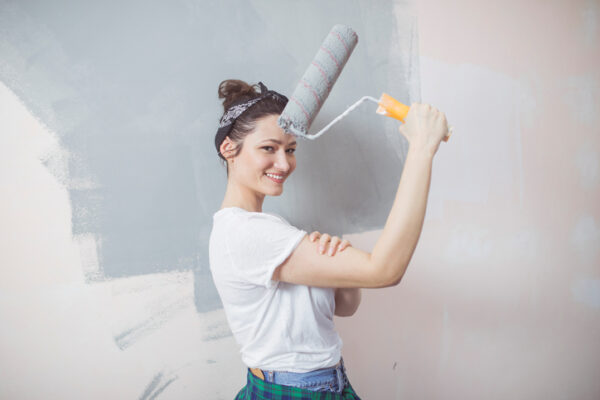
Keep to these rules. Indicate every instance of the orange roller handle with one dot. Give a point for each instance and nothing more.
(390, 107)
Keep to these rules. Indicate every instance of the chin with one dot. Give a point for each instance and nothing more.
(275, 192)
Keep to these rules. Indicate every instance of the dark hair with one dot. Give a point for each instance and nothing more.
(234, 92)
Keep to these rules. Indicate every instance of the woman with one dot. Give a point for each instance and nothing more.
(279, 294)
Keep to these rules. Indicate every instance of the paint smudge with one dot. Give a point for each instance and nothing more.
(583, 99)
(149, 325)
(468, 243)
(585, 237)
(158, 384)
(586, 161)
(497, 154)
(151, 301)
(587, 291)
(590, 14)
(217, 331)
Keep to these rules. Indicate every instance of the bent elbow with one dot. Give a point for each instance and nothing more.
(395, 282)
(393, 276)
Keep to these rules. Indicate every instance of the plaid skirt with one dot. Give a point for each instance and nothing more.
(257, 389)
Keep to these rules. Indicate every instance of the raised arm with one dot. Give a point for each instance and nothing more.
(425, 127)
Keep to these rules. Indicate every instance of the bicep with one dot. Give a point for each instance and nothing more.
(349, 268)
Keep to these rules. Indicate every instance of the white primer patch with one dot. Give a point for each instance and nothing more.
(128, 328)
(525, 243)
(582, 98)
(586, 160)
(88, 252)
(483, 136)
(589, 17)
(587, 291)
(585, 237)
(468, 243)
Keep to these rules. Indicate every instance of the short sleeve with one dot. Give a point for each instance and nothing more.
(260, 243)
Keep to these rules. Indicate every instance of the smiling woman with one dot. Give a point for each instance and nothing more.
(294, 346)
(279, 294)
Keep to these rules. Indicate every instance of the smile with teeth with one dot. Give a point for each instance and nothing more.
(275, 178)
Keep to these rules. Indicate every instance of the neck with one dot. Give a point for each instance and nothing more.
(242, 197)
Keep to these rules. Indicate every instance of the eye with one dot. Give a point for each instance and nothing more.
(268, 148)
(291, 151)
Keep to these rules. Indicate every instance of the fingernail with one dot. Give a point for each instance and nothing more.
(331, 252)
(322, 249)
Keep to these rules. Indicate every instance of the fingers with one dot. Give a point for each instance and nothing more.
(333, 245)
(325, 238)
(328, 243)
(345, 243)
(428, 108)
(314, 236)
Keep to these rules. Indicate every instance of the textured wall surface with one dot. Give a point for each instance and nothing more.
(109, 178)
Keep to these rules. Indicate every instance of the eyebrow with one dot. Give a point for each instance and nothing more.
(277, 141)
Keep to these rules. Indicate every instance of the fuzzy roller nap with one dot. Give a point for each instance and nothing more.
(317, 82)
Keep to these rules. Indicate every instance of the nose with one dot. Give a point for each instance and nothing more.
(281, 162)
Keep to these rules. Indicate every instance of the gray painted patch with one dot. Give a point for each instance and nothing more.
(130, 89)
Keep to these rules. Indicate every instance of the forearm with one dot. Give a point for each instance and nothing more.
(396, 245)
(347, 301)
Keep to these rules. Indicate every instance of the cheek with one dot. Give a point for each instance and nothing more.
(263, 163)
(260, 163)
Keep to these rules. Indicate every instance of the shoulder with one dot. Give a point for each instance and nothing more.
(252, 244)
(238, 225)
(237, 216)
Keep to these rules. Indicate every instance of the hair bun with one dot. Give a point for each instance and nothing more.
(234, 90)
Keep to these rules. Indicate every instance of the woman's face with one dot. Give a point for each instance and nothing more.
(267, 158)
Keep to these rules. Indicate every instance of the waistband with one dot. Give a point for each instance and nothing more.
(260, 373)
(331, 378)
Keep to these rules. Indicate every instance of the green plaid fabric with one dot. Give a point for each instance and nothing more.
(257, 389)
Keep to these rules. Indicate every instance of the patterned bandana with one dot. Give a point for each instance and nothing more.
(228, 119)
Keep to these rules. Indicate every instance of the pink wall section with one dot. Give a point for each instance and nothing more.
(502, 297)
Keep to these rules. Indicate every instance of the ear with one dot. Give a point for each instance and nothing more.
(227, 147)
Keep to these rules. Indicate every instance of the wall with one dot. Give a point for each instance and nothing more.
(502, 297)
(109, 179)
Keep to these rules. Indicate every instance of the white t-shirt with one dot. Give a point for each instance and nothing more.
(280, 326)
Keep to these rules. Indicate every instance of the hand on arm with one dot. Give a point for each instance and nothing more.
(347, 300)
(331, 244)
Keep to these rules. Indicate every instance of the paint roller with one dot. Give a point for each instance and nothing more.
(318, 80)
